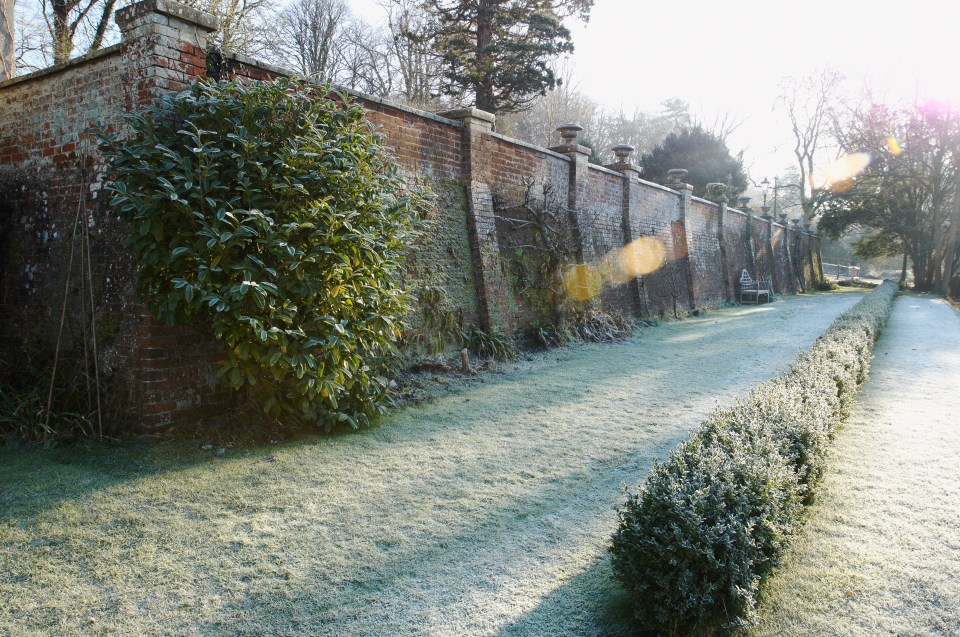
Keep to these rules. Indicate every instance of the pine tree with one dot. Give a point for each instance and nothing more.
(703, 154)
(497, 53)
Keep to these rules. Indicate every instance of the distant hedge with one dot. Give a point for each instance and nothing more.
(712, 522)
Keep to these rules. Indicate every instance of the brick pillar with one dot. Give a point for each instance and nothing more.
(682, 246)
(728, 292)
(173, 373)
(576, 187)
(493, 290)
(165, 44)
(631, 178)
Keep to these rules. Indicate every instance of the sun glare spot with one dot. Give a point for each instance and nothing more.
(640, 256)
(617, 267)
(893, 146)
(582, 282)
(839, 175)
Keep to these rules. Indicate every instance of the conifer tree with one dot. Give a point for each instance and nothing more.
(497, 53)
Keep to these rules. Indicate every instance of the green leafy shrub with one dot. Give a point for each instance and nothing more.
(271, 212)
(825, 286)
(696, 542)
(493, 344)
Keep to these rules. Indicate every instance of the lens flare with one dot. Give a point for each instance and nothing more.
(582, 282)
(640, 256)
(839, 175)
(893, 146)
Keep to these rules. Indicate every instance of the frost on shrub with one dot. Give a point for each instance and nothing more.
(271, 213)
(709, 525)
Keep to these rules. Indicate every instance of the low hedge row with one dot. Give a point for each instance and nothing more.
(712, 522)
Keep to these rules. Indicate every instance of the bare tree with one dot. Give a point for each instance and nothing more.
(242, 23)
(808, 101)
(368, 63)
(310, 37)
(33, 46)
(410, 41)
(73, 23)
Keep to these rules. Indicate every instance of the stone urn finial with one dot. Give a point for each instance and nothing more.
(676, 175)
(622, 152)
(796, 223)
(766, 212)
(569, 132)
(783, 218)
(742, 202)
(717, 191)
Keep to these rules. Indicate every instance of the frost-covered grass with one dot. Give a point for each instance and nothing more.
(710, 525)
(485, 512)
(881, 552)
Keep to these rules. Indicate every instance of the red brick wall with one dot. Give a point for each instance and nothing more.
(705, 257)
(49, 166)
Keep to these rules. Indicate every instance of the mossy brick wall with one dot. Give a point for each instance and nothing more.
(657, 215)
(705, 255)
(738, 248)
(604, 235)
(50, 167)
(508, 170)
(442, 256)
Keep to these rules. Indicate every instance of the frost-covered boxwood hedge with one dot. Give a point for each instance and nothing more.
(713, 521)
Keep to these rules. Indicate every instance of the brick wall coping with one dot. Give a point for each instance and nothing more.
(604, 169)
(59, 68)
(539, 149)
(776, 223)
(170, 8)
(706, 201)
(258, 64)
(389, 103)
(644, 182)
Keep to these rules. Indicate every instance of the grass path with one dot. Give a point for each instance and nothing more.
(881, 553)
(485, 512)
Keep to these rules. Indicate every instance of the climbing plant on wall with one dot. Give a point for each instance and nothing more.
(270, 211)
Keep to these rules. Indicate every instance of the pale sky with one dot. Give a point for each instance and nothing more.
(730, 55)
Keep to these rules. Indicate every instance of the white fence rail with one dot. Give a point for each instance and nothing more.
(840, 272)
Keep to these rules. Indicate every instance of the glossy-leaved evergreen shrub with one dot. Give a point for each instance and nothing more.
(697, 540)
(270, 212)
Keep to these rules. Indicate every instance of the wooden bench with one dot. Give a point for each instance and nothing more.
(754, 287)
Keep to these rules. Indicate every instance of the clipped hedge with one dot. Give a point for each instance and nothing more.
(711, 523)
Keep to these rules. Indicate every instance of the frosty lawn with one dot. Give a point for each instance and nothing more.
(486, 512)
(881, 554)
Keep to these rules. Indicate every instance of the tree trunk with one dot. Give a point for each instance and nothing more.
(484, 80)
(903, 271)
(62, 37)
(945, 268)
(102, 25)
(7, 48)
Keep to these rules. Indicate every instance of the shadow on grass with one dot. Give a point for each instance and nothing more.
(460, 580)
(594, 596)
(35, 479)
